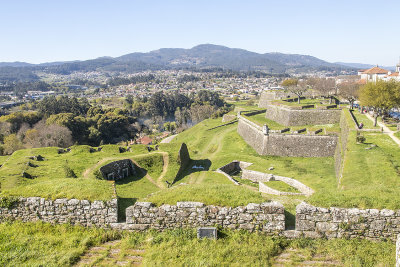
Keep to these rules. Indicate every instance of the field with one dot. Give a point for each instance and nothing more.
(361, 186)
(42, 244)
(49, 179)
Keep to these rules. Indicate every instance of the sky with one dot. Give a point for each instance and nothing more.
(361, 31)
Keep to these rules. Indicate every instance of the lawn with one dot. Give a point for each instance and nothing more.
(371, 175)
(3, 159)
(362, 118)
(42, 244)
(304, 102)
(49, 179)
(260, 119)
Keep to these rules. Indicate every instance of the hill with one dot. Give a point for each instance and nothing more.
(198, 57)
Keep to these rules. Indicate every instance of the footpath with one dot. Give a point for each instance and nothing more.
(386, 130)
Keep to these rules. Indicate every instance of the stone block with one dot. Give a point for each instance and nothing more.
(144, 204)
(189, 205)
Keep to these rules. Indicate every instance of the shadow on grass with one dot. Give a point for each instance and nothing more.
(290, 220)
(140, 173)
(194, 166)
(123, 204)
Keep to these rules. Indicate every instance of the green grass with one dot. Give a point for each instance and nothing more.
(3, 159)
(362, 118)
(304, 102)
(209, 194)
(42, 244)
(260, 119)
(50, 181)
(397, 134)
(371, 177)
(281, 186)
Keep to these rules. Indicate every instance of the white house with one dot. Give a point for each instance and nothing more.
(376, 73)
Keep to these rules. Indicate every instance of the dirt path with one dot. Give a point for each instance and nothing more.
(211, 150)
(294, 257)
(111, 254)
(168, 139)
(5, 161)
(160, 183)
(386, 130)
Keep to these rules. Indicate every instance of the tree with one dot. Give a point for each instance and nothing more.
(380, 96)
(11, 144)
(325, 86)
(295, 87)
(349, 91)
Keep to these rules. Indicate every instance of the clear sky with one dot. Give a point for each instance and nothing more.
(361, 31)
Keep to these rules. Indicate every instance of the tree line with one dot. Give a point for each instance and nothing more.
(62, 121)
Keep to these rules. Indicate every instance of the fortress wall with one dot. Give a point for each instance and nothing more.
(252, 134)
(267, 217)
(348, 223)
(300, 145)
(74, 211)
(289, 117)
(286, 145)
(271, 95)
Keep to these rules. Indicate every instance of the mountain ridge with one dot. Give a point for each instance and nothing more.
(198, 57)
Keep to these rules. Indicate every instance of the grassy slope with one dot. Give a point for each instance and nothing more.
(362, 118)
(41, 244)
(222, 145)
(50, 180)
(3, 159)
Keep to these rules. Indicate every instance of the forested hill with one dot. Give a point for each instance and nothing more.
(198, 57)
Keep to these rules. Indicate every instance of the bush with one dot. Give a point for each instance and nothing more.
(360, 139)
(69, 173)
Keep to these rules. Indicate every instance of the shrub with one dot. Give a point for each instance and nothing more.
(69, 173)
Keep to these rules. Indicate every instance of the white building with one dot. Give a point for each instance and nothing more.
(376, 73)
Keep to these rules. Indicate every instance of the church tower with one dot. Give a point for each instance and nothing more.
(398, 66)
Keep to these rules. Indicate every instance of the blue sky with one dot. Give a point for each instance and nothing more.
(350, 31)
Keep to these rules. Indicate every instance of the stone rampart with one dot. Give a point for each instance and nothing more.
(74, 211)
(290, 117)
(271, 95)
(341, 148)
(286, 145)
(398, 251)
(348, 223)
(261, 177)
(268, 217)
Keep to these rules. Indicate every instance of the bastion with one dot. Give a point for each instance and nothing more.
(291, 116)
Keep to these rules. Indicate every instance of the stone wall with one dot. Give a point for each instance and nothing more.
(341, 148)
(398, 251)
(286, 145)
(261, 177)
(118, 170)
(289, 117)
(268, 217)
(271, 95)
(74, 211)
(348, 223)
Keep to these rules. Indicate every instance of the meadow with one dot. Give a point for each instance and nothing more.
(42, 244)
